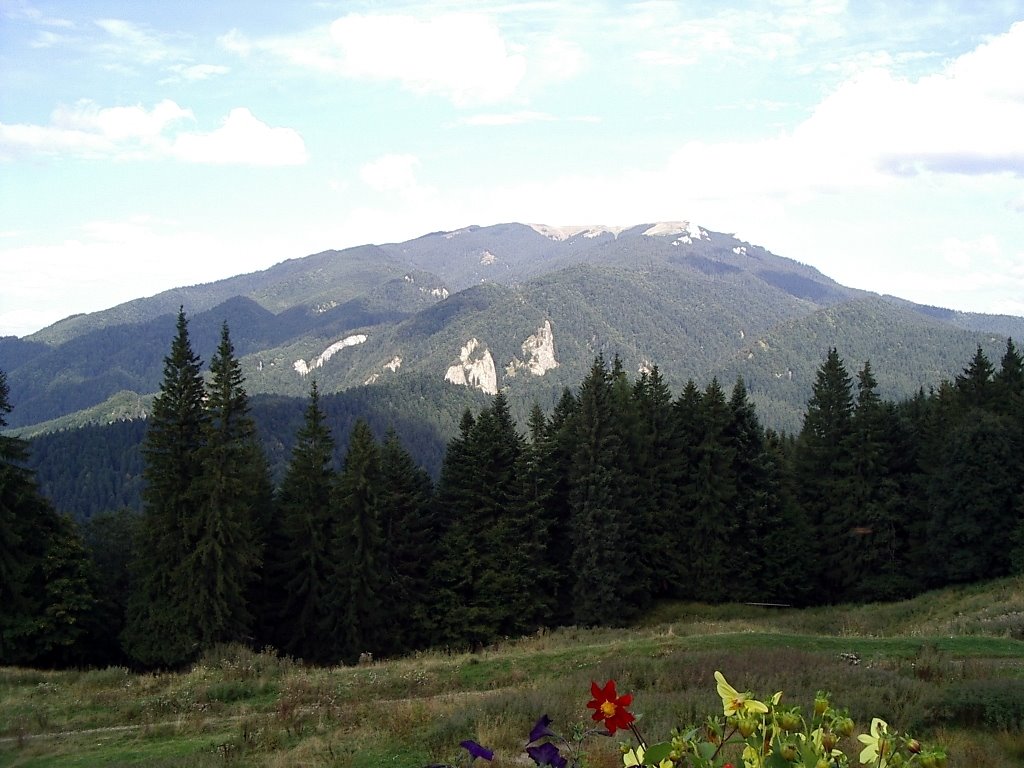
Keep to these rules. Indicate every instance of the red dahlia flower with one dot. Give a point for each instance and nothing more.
(610, 707)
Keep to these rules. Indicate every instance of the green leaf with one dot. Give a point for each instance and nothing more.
(657, 753)
(706, 750)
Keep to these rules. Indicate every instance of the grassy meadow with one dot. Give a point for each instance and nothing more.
(948, 666)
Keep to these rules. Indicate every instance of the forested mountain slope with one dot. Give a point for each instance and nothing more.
(522, 308)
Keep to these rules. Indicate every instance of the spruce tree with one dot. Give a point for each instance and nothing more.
(451, 565)
(514, 528)
(608, 585)
(554, 448)
(354, 622)
(484, 562)
(823, 471)
(299, 559)
(767, 536)
(407, 529)
(657, 468)
(224, 531)
(155, 633)
(679, 518)
(872, 557)
(715, 501)
(47, 583)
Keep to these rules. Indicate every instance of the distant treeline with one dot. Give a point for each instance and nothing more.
(622, 495)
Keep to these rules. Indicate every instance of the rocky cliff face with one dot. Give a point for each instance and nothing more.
(474, 369)
(538, 353)
(303, 368)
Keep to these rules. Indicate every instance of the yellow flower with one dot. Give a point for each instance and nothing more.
(634, 757)
(876, 749)
(735, 702)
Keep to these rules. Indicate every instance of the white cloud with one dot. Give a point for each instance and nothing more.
(195, 72)
(961, 254)
(89, 131)
(463, 57)
(135, 44)
(509, 118)
(390, 173)
(460, 56)
(108, 262)
(242, 139)
(120, 123)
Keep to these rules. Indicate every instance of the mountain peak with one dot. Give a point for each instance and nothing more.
(566, 232)
(685, 229)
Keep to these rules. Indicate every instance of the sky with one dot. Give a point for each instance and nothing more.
(150, 145)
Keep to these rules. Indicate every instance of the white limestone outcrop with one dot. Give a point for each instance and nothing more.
(538, 353)
(474, 369)
(303, 368)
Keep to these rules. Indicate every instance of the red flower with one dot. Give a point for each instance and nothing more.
(610, 707)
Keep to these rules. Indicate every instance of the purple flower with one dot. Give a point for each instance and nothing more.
(547, 754)
(475, 750)
(540, 729)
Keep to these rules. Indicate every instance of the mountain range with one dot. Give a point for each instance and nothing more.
(523, 308)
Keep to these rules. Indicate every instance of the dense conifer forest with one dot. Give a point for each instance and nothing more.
(623, 494)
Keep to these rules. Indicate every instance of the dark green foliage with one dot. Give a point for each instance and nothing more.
(224, 534)
(298, 561)
(109, 538)
(770, 535)
(407, 529)
(47, 583)
(489, 556)
(354, 621)
(823, 470)
(620, 497)
(177, 428)
(608, 586)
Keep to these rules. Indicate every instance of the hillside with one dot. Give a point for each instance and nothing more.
(481, 306)
(941, 665)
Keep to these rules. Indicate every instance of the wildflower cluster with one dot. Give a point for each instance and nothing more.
(750, 733)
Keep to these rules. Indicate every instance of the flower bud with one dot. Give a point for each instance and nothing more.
(788, 752)
(789, 721)
(820, 706)
(913, 746)
(746, 726)
(844, 726)
(828, 741)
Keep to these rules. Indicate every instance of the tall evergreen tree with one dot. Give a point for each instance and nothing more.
(657, 463)
(609, 586)
(177, 427)
(299, 556)
(450, 566)
(716, 519)
(678, 520)
(974, 385)
(47, 583)
(768, 536)
(224, 532)
(555, 448)
(872, 556)
(355, 588)
(482, 564)
(822, 465)
(407, 529)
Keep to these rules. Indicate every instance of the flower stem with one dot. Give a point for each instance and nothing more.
(639, 738)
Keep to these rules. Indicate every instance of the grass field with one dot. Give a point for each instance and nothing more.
(948, 665)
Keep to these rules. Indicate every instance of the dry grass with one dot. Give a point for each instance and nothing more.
(935, 665)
